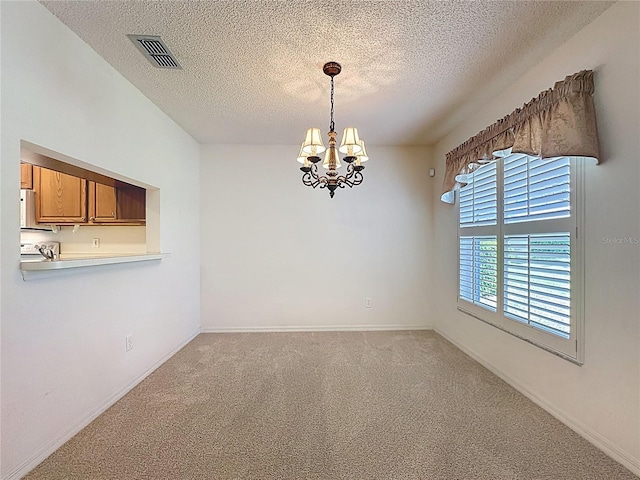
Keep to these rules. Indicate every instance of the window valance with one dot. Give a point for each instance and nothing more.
(559, 122)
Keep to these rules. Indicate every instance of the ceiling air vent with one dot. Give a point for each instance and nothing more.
(155, 50)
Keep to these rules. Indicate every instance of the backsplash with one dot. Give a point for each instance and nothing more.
(112, 239)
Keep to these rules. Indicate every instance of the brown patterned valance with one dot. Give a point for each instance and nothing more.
(560, 122)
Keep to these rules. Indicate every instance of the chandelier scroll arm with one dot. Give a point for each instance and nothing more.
(353, 176)
(310, 176)
(342, 181)
(356, 174)
(308, 181)
(311, 179)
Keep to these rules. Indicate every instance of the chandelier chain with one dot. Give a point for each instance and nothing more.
(332, 125)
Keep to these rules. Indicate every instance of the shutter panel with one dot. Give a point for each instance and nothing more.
(466, 205)
(486, 271)
(479, 198)
(536, 189)
(537, 281)
(466, 269)
(479, 270)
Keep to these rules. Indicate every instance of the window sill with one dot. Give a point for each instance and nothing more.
(531, 341)
(46, 268)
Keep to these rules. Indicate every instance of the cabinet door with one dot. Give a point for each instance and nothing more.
(116, 205)
(26, 176)
(103, 199)
(132, 204)
(60, 198)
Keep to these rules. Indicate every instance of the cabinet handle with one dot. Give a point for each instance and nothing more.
(92, 219)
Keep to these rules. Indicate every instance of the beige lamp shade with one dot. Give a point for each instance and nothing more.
(312, 144)
(350, 141)
(362, 155)
(331, 157)
(302, 157)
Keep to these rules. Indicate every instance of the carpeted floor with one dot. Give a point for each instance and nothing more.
(334, 405)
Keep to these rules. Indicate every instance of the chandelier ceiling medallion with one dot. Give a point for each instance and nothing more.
(351, 145)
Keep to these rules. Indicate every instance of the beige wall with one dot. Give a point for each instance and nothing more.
(277, 254)
(602, 398)
(113, 239)
(63, 339)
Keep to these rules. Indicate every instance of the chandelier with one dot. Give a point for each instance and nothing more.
(352, 146)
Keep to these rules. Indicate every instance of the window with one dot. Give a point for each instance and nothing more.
(519, 250)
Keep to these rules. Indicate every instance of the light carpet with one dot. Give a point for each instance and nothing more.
(330, 405)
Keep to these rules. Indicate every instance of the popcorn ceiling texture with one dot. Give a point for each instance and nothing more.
(253, 69)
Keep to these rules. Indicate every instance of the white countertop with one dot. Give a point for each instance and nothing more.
(37, 265)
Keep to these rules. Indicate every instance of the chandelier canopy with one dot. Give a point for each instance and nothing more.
(351, 145)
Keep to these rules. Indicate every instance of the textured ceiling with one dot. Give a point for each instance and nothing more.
(252, 70)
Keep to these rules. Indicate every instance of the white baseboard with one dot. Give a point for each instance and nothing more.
(584, 431)
(52, 446)
(315, 328)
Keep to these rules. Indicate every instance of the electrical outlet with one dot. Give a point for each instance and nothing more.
(367, 302)
(96, 242)
(128, 342)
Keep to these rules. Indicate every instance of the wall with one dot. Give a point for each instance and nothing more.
(63, 356)
(114, 239)
(279, 255)
(601, 399)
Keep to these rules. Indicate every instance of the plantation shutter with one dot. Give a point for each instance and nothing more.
(537, 281)
(536, 189)
(478, 200)
(478, 251)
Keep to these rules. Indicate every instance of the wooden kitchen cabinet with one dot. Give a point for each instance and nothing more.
(26, 176)
(123, 204)
(102, 203)
(63, 199)
(131, 204)
(60, 198)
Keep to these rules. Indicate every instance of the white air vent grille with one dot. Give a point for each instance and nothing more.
(155, 50)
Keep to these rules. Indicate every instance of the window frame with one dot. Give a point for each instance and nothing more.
(572, 348)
